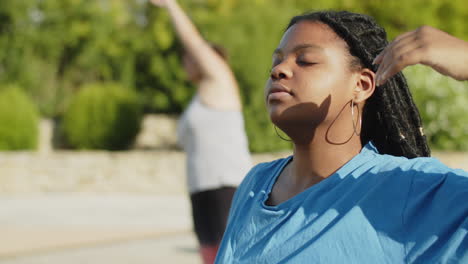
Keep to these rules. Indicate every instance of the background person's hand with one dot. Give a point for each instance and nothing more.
(425, 45)
(160, 3)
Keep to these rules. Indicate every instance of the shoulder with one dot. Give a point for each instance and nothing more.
(261, 172)
(256, 179)
(259, 176)
(430, 173)
(420, 165)
(424, 172)
(436, 203)
(418, 174)
(428, 166)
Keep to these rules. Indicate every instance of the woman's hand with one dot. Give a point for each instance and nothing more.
(425, 45)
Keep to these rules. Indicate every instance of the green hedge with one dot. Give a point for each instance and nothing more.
(102, 116)
(18, 120)
(443, 105)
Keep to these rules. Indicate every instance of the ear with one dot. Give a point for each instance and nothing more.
(365, 85)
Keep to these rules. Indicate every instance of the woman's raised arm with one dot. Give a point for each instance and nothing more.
(425, 45)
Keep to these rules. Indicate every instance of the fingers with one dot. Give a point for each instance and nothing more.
(427, 46)
(400, 56)
(411, 57)
(379, 57)
(396, 47)
(402, 52)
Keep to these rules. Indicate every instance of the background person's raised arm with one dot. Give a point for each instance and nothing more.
(218, 87)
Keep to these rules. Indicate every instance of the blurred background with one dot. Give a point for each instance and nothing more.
(90, 91)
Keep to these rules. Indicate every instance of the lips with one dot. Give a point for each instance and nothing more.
(278, 93)
(278, 88)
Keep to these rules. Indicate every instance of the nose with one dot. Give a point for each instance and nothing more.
(280, 71)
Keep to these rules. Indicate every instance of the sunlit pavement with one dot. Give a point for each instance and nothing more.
(90, 228)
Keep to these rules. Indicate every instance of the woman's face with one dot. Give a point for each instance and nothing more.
(310, 81)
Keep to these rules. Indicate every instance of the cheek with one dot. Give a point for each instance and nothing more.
(337, 87)
(317, 86)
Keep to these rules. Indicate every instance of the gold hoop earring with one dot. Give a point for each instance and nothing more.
(285, 139)
(352, 119)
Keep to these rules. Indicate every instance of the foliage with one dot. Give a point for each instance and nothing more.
(51, 48)
(18, 120)
(443, 104)
(103, 116)
(400, 16)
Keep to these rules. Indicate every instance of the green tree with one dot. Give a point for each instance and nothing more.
(51, 48)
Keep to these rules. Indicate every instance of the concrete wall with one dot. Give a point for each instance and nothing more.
(153, 166)
(157, 132)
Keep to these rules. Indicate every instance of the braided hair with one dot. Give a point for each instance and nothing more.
(390, 117)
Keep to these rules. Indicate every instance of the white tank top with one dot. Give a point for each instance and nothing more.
(216, 146)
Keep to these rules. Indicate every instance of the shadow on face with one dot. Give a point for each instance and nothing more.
(298, 119)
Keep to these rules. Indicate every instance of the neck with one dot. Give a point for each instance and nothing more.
(317, 158)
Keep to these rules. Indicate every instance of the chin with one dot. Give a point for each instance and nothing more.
(274, 112)
(293, 117)
(275, 119)
(279, 117)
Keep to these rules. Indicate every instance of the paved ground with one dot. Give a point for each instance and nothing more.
(84, 228)
(171, 249)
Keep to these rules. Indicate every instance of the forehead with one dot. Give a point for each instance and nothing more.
(314, 33)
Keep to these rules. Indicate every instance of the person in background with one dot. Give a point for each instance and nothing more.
(211, 131)
(360, 186)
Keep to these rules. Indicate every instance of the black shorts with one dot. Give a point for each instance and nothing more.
(210, 210)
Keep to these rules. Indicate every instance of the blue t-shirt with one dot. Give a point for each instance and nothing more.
(375, 209)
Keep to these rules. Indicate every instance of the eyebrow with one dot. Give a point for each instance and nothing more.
(300, 47)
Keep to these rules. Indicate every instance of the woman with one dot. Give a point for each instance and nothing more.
(359, 187)
(211, 131)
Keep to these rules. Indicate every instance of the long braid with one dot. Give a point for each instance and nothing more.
(390, 118)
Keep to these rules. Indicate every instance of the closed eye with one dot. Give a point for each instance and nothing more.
(306, 63)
